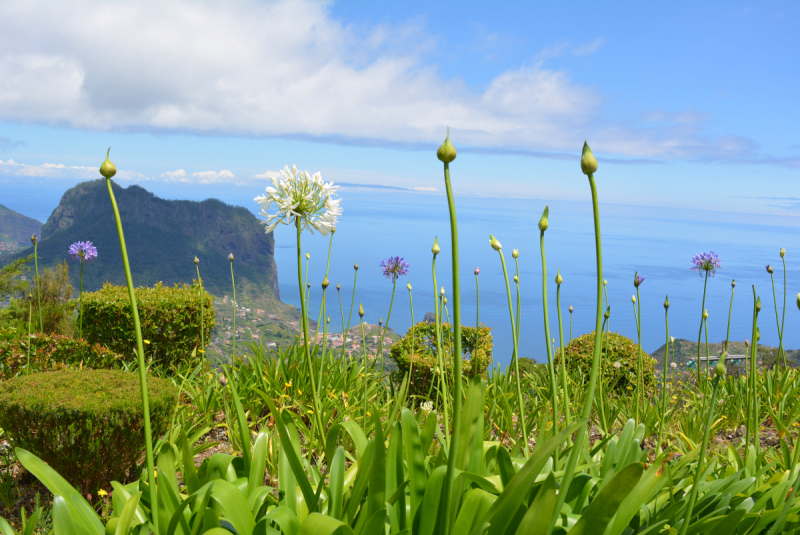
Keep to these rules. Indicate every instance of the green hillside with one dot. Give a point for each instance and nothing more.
(15, 229)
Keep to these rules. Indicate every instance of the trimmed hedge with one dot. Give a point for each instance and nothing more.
(616, 348)
(169, 316)
(86, 424)
(476, 346)
(51, 352)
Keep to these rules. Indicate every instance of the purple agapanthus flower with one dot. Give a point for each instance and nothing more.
(637, 280)
(394, 267)
(83, 250)
(708, 262)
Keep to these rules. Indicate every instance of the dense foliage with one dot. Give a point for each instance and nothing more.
(86, 424)
(476, 349)
(170, 318)
(46, 352)
(619, 365)
(55, 290)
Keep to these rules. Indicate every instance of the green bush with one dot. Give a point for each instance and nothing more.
(616, 349)
(57, 308)
(170, 319)
(476, 347)
(50, 352)
(86, 424)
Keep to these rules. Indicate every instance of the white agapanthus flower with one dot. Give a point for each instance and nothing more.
(303, 196)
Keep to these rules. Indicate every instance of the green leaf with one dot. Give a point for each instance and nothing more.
(128, 512)
(62, 517)
(651, 481)
(476, 503)
(352, 429)
(537, 519)
(415, 460)
(429, 511)
(336, 494)
(244, 430)
(258, 463)
(285, 518)
(317, 524)
(602, 509)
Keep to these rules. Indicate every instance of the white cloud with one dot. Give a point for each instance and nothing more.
(425, 188)
(58, 171)
(288, 69)
(200, 177)
(268, 175)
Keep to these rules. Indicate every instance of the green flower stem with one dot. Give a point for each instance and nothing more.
(80, 304)
(640, 363)
(148, 434)
(30, 313)
(519, 311)
(514, 358)
(317, 412)
(564, 383)
(477, 312)
(411, 366)
(202, 331)
(664, 394)
(324, 290)
(777, 319)
(570, 328)
(698, 473)
(364, 349)
(638, 367)
(457, 398)
(700, 332)
(385, 328)
(783, 319)
(550, 365)
(38, 288)
(752, 402)
(577, 449)
(730, 310)
(233, 332)
(352, 302)
(440, 356)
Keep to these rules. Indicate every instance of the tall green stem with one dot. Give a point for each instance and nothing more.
(550, 365)
(148, 434)
(564, 382)
(440, 355)
(80, 304)
(202, 349)
(514, 357)
(730, 310)
(664, 394)
(700, 332)
(322, 308)
(314, 393)
(777, 319)
(233, 332)
(349, 317)
(411, 366)
(30, 313)
(457, 401)
(386, 328)
(640, 363)
(783, 319)
(586, 411)
(38, 287)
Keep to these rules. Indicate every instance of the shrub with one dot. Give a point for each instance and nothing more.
(57, 308)
(51, 352)
(170, 319)
(476, 346)
(86, 424)
(616, 348)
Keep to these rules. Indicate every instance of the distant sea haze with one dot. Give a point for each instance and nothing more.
(656, 242)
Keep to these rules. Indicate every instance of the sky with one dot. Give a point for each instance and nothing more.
(687, 105)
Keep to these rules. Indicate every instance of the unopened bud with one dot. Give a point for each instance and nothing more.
(408, 286)
(746, 342)
(435, 249)
(758, 334)
(783, 252)
(309, 285)
(672, 339)
(444, 300)
(588, 161)
(769, 269)
(329, 319)
(361, 310)
(230, 257)
(543, 222)
(608, 313)
(338, 287)
(605, 282)
(325, 283)
(477, 271)
(380, 322)
(571, 309)
(758, 305)
(559, 278)
(446, 152)
(514, 253)
(108, 169)
(666, 303)
(705, 314)
(441, 292)
(308, 256)
(516, 279)
(633, 299)
(733, 284)
(719, 369)
(496, 245)
(196, 260)
(333, 230)
(355, 266)
(798, 301)
(34, 239)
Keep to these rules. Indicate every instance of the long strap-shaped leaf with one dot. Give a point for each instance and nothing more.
(415, 460)
(537, 520)
(601, 510)
(651, 481)
(317, 524)
(244, 430)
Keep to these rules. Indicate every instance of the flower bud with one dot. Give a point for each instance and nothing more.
(588, 161)
(444, 300)
(230, 257)
(571, 309)
(477, 271)
(308, 256)
(758, 334)
(719, 369)
(516, 279)
(514, 253)
(435, 249)
(338, 287)
(543, 222)
(705, 314)
(633, 299)
(196, 260)
(446, 152)
(222, 380)
(380, 322)
(108, 169)
(783, 252)
(672, 339)
(34, 240)
(769, 269)
(608, 312)
(325, 283)
(361, 310)
(666, 303)
(355, 266)
(746, 342)
(329, 319)
(798, 301)
(442, 291)
(496, 245)
(605, 282)
(559, 278)
(733, 284)
(758, 305)
(333, 231)
(309, 285)
(408, 286)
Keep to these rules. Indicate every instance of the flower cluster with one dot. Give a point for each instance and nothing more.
(302, 196)
(394, 267)
(708, 262)
(83, 250)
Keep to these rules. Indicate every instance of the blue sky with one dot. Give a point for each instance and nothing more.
(687, 105)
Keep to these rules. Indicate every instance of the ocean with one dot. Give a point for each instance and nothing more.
(656, 242)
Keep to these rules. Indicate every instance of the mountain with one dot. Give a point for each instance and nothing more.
(16, 229)
(162, 240)
(685, 350)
